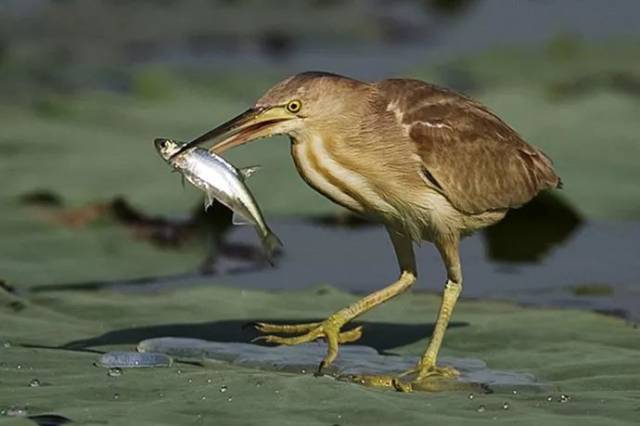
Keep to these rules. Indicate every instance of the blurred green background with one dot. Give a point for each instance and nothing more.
(85, 87)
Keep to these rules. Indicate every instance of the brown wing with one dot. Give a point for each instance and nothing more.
(469, 154)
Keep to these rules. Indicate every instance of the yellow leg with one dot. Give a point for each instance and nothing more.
(427, 368)
(330, 328)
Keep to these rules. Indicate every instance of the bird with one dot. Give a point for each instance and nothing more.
(427, 162)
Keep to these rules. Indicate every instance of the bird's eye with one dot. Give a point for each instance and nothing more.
(294, 106)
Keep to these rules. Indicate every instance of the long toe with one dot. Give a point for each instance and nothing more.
(265, 327)
(328, 330)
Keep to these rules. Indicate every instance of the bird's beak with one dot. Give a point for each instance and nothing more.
(254, 123)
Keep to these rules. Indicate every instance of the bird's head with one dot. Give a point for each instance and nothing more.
(303, 104)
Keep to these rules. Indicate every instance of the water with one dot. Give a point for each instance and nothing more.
(117, 360)
(564, 275)
(560, 270)
(114, 372)
(489, 24)
(353, 361)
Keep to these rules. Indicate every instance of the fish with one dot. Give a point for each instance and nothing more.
(221, 181)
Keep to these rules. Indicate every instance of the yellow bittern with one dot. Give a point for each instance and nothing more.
(427, 162)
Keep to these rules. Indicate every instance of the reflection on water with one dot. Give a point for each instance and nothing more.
(529, 233)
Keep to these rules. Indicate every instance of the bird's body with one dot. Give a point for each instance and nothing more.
(421, 182)
(428, 163)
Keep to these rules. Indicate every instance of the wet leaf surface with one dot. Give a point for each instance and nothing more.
(591, 358)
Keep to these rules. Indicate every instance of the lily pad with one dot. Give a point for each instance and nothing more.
(590, 358)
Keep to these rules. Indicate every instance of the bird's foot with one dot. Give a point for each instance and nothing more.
(427, 377)
(328, 330)
(431, 379)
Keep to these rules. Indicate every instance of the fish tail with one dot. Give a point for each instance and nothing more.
(271, 244)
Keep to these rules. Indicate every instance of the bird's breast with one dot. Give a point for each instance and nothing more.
(323, 167)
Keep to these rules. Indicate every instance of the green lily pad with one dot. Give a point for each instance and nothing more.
(590, 358)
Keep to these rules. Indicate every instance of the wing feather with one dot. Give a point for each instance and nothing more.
(475, 159)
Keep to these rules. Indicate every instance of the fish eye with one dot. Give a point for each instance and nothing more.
(294, 106)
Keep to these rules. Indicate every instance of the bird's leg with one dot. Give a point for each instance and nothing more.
(330, 328)
(427, 367)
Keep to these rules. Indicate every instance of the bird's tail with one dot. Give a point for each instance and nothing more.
(271, 244)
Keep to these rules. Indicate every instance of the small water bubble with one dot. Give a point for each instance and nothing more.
(203, 397)
(505, 405)
(178, 371)
(471, 396)
(114, 372)
(258, 384)
(19, 367)
(161, 395)
(116, 396)
(34, 383)
(515, 391)
(481, 409)
(189, 380)
(277, 391)
(223, 388)
(339, 416)
(564, 398)
(6, 345)
(550, 398)
(229, 399)
(209, 381)
(15, 411)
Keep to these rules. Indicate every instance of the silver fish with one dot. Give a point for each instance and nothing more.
(220, 181)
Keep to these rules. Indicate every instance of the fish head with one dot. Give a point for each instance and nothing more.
(167, 148)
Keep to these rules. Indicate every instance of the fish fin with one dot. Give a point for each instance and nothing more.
(208, 200)
(181, 176)
(247, 172)
(238, 219)
(271, 244)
